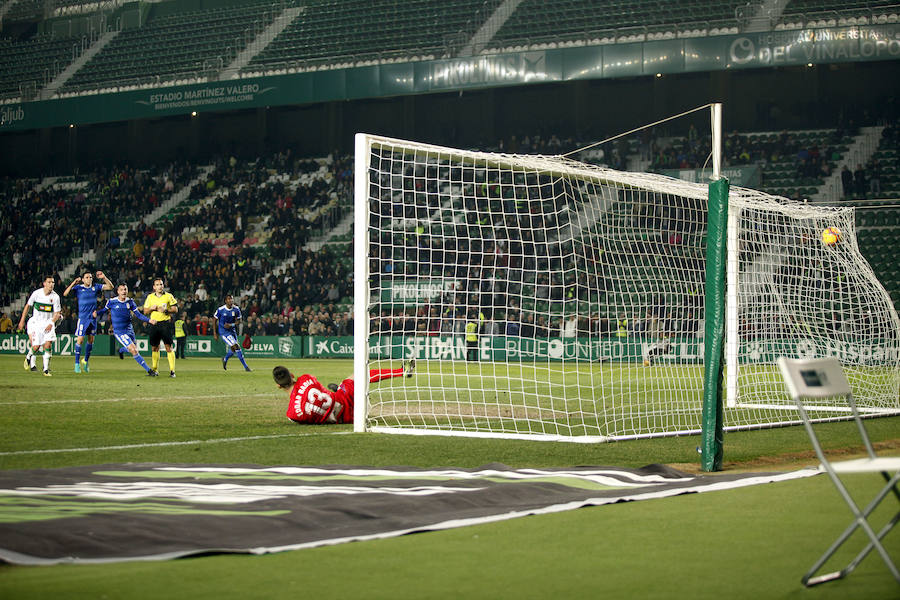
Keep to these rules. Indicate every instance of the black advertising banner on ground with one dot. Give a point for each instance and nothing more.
(119, 512)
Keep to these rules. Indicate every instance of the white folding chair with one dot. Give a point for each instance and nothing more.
(823, 378)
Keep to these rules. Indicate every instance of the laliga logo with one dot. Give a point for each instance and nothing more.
(742, 51)
(11, 114)
(19, 344)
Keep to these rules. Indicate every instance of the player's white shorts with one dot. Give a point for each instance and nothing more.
(86, 327)
(125, 339)
(37, 332)
(229, 339)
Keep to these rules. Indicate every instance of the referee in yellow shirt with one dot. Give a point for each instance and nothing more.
(160, 305)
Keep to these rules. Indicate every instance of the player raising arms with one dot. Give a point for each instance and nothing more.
(42, 324)
(226, 318)
(120, 309)
(312, 404)
(159, 305)
(86, 296)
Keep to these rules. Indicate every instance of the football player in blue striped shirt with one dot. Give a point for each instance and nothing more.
(226, 318)
(120, 309)
(86, 295)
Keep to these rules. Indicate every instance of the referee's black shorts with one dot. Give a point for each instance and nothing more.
(163, 330)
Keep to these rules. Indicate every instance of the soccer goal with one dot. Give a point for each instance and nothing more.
(545, 298)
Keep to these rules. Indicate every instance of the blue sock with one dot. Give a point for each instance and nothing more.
(77, 352)
(87, 351)
(228, 354)
(240, 355)
(140, 360)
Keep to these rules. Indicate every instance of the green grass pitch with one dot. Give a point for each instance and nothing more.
(747, 543)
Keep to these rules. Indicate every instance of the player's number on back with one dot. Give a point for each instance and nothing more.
(317, 403)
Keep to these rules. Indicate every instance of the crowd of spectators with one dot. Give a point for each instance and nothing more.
(267, 191)
(484, 250)
(865, 182)
(43, 227)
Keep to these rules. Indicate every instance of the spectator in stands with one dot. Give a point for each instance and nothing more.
(847, 182)
(6, 325)
(201, 294)
(859, 181)
(202, 325)
(874, 171)
(569, 327)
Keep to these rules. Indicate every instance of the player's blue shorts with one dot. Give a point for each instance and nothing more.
(86, 326)
(229, 339)
(126, 339)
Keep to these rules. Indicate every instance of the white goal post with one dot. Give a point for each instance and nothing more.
(544, 298)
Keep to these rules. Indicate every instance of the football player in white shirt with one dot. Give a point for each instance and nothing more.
(42, 324)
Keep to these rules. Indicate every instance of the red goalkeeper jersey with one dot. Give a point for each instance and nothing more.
(312, 404)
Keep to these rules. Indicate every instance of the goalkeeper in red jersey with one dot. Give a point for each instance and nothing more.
(312, 404)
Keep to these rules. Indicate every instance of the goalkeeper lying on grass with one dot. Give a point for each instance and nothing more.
(312, 404)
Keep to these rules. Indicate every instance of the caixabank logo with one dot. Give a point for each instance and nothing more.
(333, 347)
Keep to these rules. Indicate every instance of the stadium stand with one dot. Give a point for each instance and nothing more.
(560, 21)
(286, 246)
(27, 66)
(828, 13)
(174, 46)
(179, 45)
(51, 222)
(878, 219)
(245, 230)
(331, 31)
(24, 10)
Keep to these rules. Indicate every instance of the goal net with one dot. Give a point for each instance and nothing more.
(795, 291)
(546, 298)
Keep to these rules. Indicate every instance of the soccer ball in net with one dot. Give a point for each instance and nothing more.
(831, 236)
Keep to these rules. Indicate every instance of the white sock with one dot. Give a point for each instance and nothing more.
(47, 360)
(32, 360)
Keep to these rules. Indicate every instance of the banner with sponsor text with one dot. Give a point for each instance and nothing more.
(683, 350)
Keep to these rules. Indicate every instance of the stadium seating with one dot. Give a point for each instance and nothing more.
(54, 221)
(33, 63)
(282, 203)
(829, 13)
(878, 219)
(559, 21)
(793, 163)
(24, 10)
(355, 30)
(172, 47)
(178, 45)
(886, 161)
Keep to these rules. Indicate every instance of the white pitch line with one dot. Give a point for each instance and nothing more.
(136, 398)
(161, 444)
